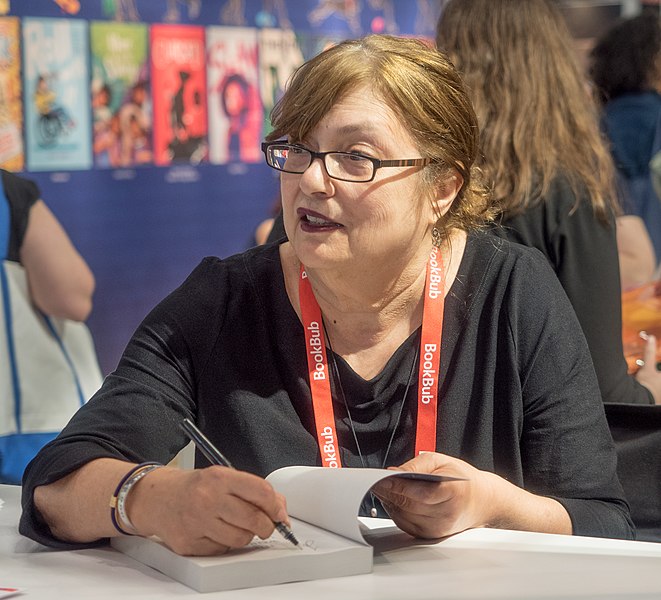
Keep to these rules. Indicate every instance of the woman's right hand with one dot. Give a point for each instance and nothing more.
(204, 511)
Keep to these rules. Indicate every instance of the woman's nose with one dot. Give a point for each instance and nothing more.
(315, 179)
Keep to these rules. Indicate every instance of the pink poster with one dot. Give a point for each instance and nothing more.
(235, 108)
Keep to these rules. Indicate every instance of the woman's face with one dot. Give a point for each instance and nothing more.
(331, 223)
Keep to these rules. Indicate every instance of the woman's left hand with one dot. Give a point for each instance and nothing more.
(476, 499)
(432, 510)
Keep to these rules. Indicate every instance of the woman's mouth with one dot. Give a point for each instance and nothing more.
(316, 222)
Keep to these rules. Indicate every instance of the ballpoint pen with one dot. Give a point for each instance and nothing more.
(216, 458)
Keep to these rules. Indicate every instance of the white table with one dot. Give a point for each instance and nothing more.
(481, 563)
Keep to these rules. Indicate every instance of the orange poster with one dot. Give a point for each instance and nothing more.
(12, 156)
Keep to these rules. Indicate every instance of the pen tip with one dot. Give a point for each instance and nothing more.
(287, 533)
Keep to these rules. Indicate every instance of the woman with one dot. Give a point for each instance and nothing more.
(551, 172)
(382, 212)
(626, 69)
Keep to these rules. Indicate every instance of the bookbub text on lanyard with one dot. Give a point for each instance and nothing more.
(428, 373)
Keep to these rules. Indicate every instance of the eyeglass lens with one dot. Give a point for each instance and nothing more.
(338, 164)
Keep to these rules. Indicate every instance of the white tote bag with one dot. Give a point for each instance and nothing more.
(48, 368)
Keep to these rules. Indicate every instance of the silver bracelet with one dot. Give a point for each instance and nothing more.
(124, 490)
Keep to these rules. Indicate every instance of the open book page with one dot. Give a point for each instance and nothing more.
(330, 498)
(323, 506)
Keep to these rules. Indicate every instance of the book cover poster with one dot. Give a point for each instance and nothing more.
(178, 67)
(279, 56)
(56, 94)
(235, 109)
(121, 113)
(11, 107)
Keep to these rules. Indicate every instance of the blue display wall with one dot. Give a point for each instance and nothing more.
(143, 229)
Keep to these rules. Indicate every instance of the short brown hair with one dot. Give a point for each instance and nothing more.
(419, 84)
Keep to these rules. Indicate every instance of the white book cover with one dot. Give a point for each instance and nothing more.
(323, 505)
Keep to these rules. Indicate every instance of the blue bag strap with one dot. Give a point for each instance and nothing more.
(5, 218)
(6, 303)
(67, 358)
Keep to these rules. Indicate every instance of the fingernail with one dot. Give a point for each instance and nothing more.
(643, 335)
(640, 362)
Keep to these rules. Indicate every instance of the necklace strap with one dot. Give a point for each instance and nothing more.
(428, 374)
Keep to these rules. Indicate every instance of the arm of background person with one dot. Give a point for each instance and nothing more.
(61, 283)
(635, 251)
(586, 262)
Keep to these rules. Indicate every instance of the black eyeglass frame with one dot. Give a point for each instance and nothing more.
(377, 163)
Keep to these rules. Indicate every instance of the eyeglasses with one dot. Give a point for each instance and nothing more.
(345, 166)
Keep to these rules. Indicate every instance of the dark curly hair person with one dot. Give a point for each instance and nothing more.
(626, 70)
(626, 59)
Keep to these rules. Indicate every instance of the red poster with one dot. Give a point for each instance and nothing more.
(178, 65)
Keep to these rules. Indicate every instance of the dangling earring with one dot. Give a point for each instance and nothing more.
(436, 237)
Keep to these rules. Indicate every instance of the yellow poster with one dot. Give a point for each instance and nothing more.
(11, 112)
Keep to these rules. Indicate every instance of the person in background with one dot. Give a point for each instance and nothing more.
(635, 252)
(626, 70)
(551, 173)
(263, 230)
(61, 283)
(390, 330)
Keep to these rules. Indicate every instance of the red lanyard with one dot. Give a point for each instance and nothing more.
(428, 374)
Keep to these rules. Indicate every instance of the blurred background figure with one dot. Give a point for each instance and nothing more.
(38, 394)
(61, 284)
(626, 69)
(548, 164)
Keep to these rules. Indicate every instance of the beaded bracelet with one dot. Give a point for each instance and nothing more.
(118, 499)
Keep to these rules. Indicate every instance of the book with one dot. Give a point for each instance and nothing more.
(121, 130)
(235, 109)
(12, 155)
(323, 507)
(279, 57)
(56, 94)
(178, 72)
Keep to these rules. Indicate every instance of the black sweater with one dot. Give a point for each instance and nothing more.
(21, 194)
(583, 253)
(518, 392)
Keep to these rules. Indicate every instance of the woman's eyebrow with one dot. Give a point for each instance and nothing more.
(362, 128)
(364, 132)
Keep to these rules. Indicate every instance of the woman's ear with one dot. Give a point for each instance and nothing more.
(446, 192)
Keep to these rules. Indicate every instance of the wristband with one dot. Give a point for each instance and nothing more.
(118, 514)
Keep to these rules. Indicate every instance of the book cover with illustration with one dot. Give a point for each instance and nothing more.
(235, 109)
(56, 94)
(12, 156)
(279, 56)
(178, 72)
(121, 113)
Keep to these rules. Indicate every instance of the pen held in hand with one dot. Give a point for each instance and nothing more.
(216, 458)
